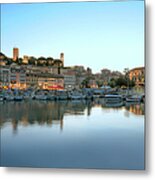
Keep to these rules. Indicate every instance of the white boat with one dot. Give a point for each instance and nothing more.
(133, 98)
(1, 98)
(40, 97)
(113, 98)
(18, 98)
(9, 97)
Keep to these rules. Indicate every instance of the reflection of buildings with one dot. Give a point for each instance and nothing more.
(53, 112)
(137, 109)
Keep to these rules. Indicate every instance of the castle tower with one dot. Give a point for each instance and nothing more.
(62, 58)
(15, 53)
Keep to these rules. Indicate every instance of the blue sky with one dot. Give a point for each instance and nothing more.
(94, 34)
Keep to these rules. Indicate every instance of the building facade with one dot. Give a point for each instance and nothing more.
(17, 77)
(137, 75)
(69, 78)
(4, 77)
(50, 81)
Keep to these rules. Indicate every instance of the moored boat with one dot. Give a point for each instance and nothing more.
(1, 97)
(18, 98)
(9, 97)
(40, 97)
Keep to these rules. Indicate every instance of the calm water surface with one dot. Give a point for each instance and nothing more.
(77, 134)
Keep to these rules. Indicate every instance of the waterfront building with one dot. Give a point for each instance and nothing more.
(32, 76)
(4, 76)
(137, 75)
(105, 75)
(69, 78)
(53, 70)
(17, 77)
(50, 81)
(15, 54)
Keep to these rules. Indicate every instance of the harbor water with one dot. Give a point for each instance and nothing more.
(72, 134)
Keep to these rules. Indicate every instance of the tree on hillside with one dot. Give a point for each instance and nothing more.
(32, 60)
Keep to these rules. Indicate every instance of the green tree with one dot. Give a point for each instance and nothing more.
(85, 83)
(99, 83)
(32, 60)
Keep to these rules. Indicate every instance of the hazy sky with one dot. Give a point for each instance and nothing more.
(94, 34)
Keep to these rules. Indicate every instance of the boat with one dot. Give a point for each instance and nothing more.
(133, 98)
(18, 98)
(97, 93)
(62, 95)
(40, 97)
(113, 98)
(114, 105)
(1, 97)
(9, 97)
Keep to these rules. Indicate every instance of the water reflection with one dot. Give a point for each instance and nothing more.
(72, 134)
(52, 113)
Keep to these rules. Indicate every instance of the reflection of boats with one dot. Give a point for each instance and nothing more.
(113, 98)
(133, 98)
(62, 95)
(51, 97)
(116, 104)
(135, 107)
(129, 103)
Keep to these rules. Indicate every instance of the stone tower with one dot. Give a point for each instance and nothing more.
(15, 54)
